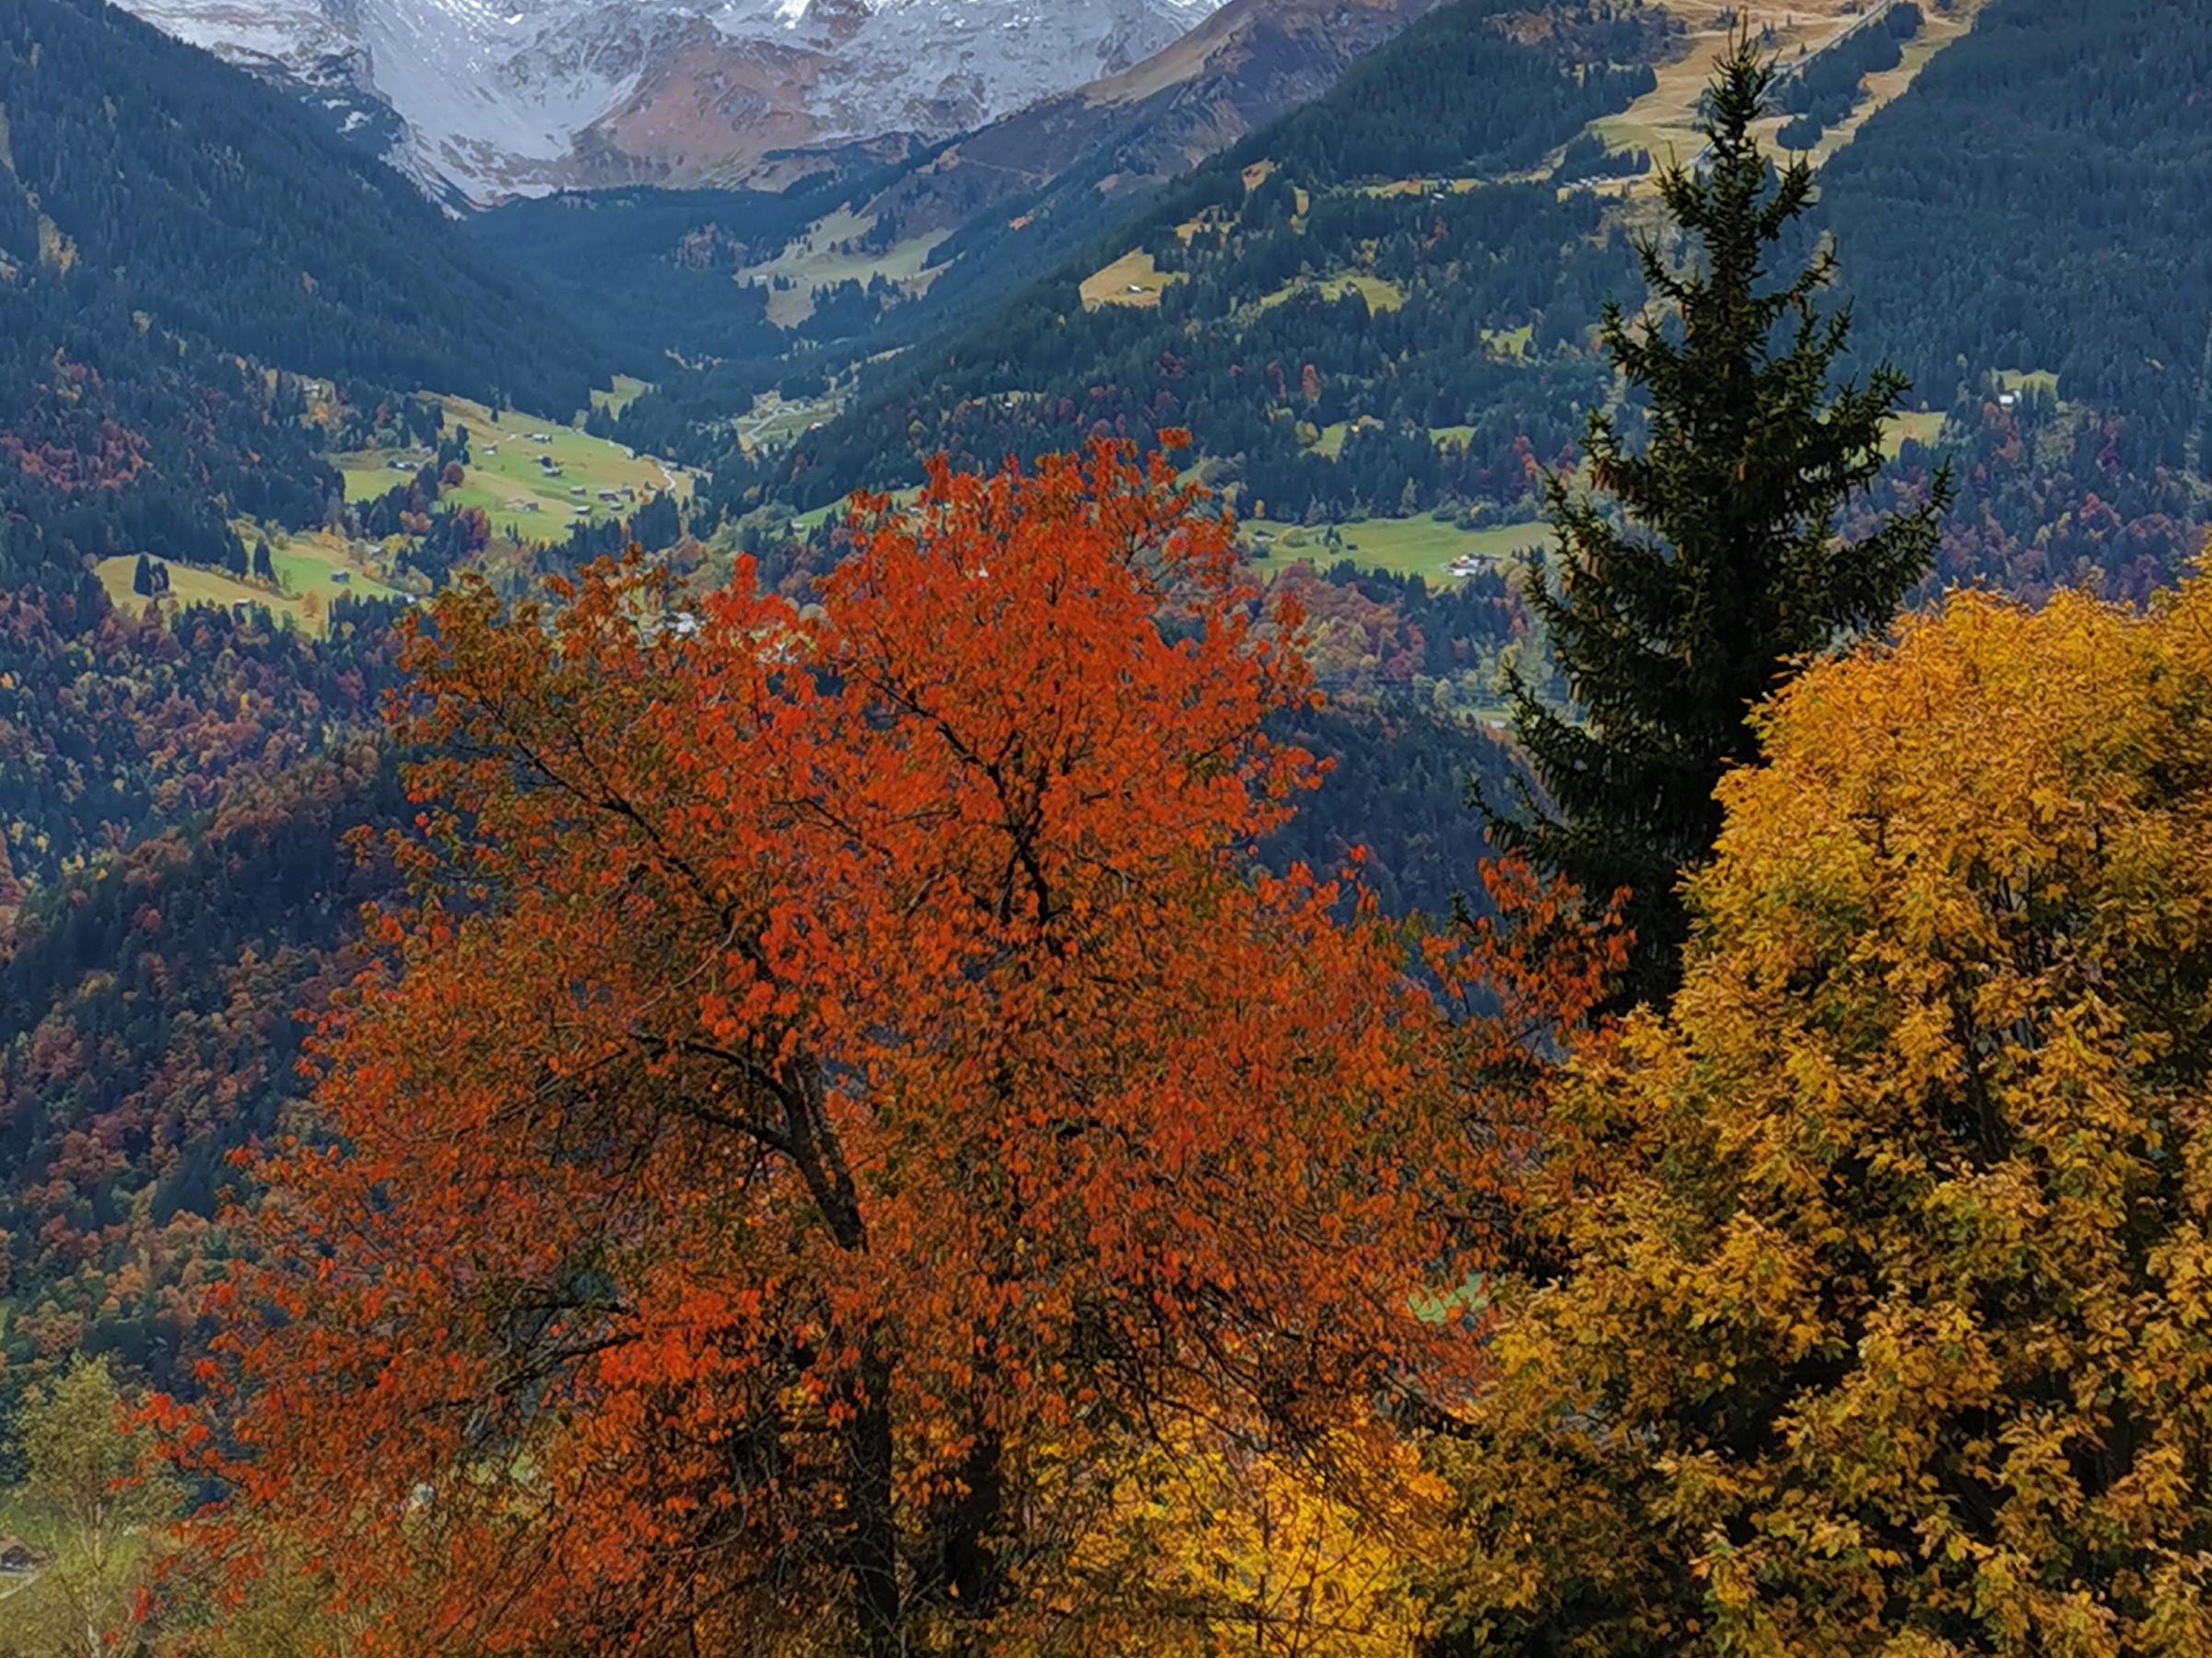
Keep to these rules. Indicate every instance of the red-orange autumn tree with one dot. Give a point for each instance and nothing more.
(839, 1093)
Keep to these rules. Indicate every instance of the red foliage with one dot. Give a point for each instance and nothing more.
(839, 1087)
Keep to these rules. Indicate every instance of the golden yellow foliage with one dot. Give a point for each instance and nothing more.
(1204, 1544)
(1887, 1327)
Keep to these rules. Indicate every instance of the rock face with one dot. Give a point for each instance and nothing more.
(522, 97)
(1249, 62)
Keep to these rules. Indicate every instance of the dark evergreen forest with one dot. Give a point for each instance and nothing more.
(2042, 200)
(657, 269)
(222, 210)
(114, 440)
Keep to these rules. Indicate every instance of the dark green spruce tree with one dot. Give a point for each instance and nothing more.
(1707, 567)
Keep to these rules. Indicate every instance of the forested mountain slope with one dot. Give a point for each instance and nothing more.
(143, 169)
(177, 246)
(198, 291)
(2043, 201)
(116, 441)
(1370, 310)
(1245, 328)
(149, 1006)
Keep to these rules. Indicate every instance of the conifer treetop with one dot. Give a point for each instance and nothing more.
(1702, 567)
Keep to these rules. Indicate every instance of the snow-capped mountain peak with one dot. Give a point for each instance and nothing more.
(501, 98)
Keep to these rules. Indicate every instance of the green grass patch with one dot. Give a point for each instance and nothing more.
(1924, 425)
(506, 480)
(829, 252)
(2028, 379)
(806, 523)
(1471, 1299)
(1380, 296)
(1133, 279)
(1330, 443)
(627, 390)
(1412, 546)
(1423, 186)
(305, 566)
(479, 494)
(305, 576)
(504, 467)
(1510, 343)
(368, 476)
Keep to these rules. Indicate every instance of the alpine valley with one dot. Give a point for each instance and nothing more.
(312, 311)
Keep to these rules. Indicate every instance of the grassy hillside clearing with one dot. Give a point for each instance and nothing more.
(313, 562)
(2028, 379)
(1133, 279)
(772, 421)
(1414, 187)
(1412, 546)
(311, 571)
(506, 480)
(1330, 440)
(806, 523)
(624, 392)
(828, 253)
(1921, 426)
(372, 472)
(1663, 121)
(1509, 343)
(1380, 296)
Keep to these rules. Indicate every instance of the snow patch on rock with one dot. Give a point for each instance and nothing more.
(502, 98)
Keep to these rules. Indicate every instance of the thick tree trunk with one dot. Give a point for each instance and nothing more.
(872, 1545)
(871, 1538)
(968, 1532)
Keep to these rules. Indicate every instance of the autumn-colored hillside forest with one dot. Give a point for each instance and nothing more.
(827, 1138)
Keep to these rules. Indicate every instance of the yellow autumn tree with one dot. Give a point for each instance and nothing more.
(1885, 1324)
(1209, 1544)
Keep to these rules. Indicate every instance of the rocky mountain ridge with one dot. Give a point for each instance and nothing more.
(1247, 63)
(524, 97)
